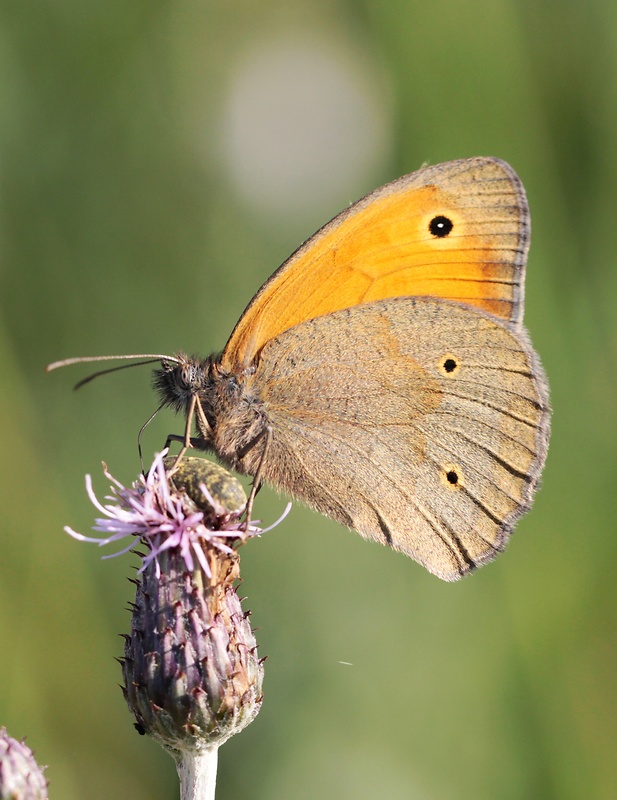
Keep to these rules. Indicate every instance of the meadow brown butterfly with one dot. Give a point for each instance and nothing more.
(383, 376)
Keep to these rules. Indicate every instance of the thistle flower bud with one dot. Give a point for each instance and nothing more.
(191, 670)
(21, 778)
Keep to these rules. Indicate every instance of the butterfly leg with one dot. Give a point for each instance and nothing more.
(199, 442)
(267, 432)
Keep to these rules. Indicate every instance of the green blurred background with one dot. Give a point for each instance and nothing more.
(157, 162)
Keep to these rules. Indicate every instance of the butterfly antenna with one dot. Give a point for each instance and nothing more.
(67, 362)
(94, 375)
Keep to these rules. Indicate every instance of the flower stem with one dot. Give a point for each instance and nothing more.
(197, 773)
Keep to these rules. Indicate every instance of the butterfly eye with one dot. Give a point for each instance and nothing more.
(440, 226)
(185, 377)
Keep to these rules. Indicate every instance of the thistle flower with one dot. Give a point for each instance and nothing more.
(164, 517)
(21, 778)
(191, 670)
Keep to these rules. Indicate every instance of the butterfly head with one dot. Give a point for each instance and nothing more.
(179, 380)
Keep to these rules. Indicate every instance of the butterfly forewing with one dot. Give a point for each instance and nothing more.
(458, 230)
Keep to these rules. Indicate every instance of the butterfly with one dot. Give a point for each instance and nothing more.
(382, 375)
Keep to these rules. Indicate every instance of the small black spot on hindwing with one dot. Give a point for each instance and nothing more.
(448, 365)
(452, 476)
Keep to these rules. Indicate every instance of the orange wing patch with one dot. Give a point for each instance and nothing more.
(458, 231)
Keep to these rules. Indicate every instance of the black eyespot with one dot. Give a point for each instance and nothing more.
(440, 226)
(452, 476)
(449, 365)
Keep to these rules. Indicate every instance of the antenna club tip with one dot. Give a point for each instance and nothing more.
(53, 365)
